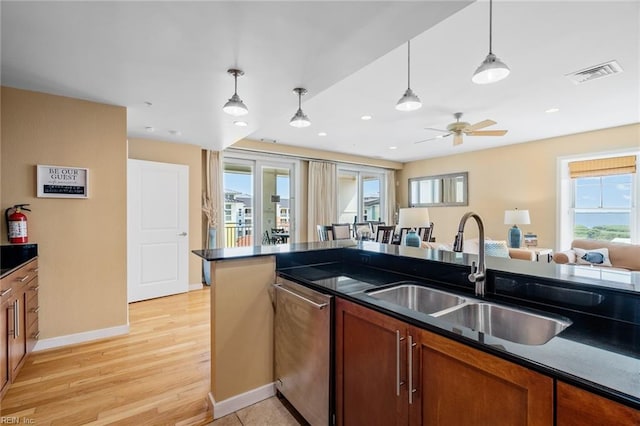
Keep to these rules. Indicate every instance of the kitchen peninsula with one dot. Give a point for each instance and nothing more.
(592, 363)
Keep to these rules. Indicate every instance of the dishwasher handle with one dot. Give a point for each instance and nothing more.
(299, 296)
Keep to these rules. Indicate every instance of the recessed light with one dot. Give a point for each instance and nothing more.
(322, 134)
(393, 147)
(551, 110)
(241, 123)
(147, 103)
(150, 129)
(366, 117)
(175, 132)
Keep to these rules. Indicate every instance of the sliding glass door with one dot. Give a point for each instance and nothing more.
(259, 200)
(360, 195)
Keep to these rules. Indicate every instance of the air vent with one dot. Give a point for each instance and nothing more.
(593, 73)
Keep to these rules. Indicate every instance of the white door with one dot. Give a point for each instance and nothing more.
(157, 224)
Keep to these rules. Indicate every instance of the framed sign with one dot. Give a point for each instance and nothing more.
(62, 182)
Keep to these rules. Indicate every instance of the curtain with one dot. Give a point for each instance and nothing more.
(322, 196)
(212, 197)
(390, 198)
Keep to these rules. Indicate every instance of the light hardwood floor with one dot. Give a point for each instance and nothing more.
(158, 374)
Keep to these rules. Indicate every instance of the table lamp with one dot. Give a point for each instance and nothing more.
(516, 217)
(413, 218)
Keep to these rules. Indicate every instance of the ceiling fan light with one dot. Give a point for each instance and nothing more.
(300, 119)
(235, 106)
(492, 69)
(409, 101)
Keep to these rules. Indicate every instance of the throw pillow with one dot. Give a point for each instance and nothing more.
(496, 248)
(596, 257)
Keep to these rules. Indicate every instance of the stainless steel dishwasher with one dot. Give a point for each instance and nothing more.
(303, 350)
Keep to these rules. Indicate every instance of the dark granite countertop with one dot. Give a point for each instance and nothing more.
(13, 256)
(600, 351)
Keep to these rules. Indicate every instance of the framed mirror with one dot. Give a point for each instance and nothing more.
(439, 190)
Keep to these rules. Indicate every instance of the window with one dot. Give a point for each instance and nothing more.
(598, 199)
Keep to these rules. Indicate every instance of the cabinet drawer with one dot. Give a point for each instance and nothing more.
(32, 310)
(32, 290)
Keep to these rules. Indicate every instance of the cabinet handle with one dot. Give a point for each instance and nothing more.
(4, 293)
(16, 319)
(35, 288)
(410, 355)
(398, 381)
(35, 270)
(36, 335)
(36, 310)
(23, 279)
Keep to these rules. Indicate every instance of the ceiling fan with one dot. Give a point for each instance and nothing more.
(460, 128)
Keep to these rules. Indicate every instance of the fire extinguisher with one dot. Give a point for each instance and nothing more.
(17, 223)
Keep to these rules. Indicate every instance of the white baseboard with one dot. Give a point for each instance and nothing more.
(195, 286)
(238, 402)
(86, 336)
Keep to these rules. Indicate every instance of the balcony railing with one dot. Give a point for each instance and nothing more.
(238, 235)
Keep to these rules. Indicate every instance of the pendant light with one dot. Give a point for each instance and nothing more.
(409, 101)
(300, 119)
(491, 69)
(234, 105)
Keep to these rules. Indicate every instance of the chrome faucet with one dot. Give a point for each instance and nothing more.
(477, 274)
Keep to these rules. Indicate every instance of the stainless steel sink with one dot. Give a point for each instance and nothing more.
(507, 323)
(418, 298)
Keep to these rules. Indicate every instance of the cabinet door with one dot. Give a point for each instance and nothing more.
(459, 385)
(5, 312)
(579, 407)
(370, 367)
(17, 334)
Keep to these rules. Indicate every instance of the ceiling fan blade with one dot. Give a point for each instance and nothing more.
(437, 130)
(457, 139)
(434, 138)
(488, 133)
(479, 125)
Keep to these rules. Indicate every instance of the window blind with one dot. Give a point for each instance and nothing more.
(603, 167)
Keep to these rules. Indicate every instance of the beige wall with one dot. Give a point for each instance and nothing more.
(189, 155)
(522, 176)
(81, 242)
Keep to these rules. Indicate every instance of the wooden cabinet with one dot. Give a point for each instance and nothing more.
(19, 320)
(370, 367)
(579, 407)
(391, 373)
(459, 385)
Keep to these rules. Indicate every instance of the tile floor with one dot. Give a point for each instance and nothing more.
(270, 412)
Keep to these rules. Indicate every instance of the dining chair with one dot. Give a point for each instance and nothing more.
(384, 234)
(341, 231)
(325, 232)
(403, 234)
(425, 232)
(362, 230)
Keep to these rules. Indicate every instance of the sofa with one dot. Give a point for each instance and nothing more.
(497, 248)
(601, 254)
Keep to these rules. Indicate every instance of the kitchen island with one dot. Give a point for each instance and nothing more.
(598, 353)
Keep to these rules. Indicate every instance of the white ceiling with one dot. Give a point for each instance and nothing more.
(351, 56)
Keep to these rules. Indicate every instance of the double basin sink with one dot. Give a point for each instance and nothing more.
(512, 324)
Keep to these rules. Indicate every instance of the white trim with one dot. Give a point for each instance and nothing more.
(238, 402)
(85, 336)
(195, 286)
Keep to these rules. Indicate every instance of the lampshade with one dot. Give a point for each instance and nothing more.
(413, 217)
(490, 70)
(234, 105)
(409, 101)
(516, 217)
(300, 119)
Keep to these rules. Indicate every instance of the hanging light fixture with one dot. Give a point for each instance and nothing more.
(409, 101)
(491, 69)
(234, 105)
(300, 119)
